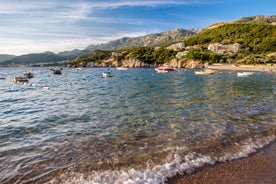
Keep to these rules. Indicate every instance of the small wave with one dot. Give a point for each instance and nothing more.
(174, 164)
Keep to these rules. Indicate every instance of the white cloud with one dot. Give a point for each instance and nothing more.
(58, 25)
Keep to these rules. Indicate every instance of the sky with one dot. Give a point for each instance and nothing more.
(36, 26)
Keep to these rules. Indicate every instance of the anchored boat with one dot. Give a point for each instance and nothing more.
(165, 68)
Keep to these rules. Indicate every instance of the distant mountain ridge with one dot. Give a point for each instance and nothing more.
(4, 57)
(150, 40)
(153, 40)
(29, 59)
(125, 42)
(259, 19)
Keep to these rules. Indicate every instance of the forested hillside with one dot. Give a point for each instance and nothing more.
(47, 57)
(254, 38)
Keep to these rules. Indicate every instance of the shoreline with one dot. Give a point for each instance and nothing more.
(260, 68)
(257, 168)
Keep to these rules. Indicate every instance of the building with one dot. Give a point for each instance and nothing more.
(177, 47)
(220, 49)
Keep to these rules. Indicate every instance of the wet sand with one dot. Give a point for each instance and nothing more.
(262, 68)
(258, 168)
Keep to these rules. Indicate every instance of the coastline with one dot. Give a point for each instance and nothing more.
(258, 168)
(260, 68)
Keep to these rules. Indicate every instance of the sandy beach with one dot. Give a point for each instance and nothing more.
(262, 68)
(258, 168)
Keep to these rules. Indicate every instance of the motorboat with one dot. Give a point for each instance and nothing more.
(244, 74)
(56, 71)
(121, 68)
(165, 69)
(29, 74)
(204, 72)
(106, 74)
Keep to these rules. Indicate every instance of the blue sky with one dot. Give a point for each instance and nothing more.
(33, 26)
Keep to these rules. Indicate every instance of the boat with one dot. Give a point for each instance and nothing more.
(121, 68)
(165, 69)
(29, 74)
(106, 74)
(20, 79)
(244, 74)
(56, 71)
(204, 72)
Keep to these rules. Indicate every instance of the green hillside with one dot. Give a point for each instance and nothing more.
(4, 57)
(257, 41)
(255, 38)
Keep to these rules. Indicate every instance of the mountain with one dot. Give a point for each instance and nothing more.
(257, 34)
(145, 41)
(72, 54)
(46, 57)
(126, 42)
(260, 19)
(4, 57)
(256, 41)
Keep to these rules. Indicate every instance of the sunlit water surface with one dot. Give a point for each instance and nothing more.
(138, 126)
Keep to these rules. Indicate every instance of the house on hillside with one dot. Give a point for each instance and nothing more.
(220, 48)
(192, 47)
(177, 47)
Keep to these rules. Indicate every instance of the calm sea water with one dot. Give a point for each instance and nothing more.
(136, 127)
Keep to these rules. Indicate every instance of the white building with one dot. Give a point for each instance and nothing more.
(177, 46)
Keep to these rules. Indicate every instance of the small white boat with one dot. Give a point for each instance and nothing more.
(165, 68)
(121, 68)
(244, 74)
(106, 74)
(204, 72)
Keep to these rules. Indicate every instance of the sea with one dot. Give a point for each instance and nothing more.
(138, 126)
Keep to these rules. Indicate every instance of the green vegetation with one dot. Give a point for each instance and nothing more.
(255, 38)
(96, 56)
(151, 56)
(145, 54)
(35, 59)
(257, 41)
